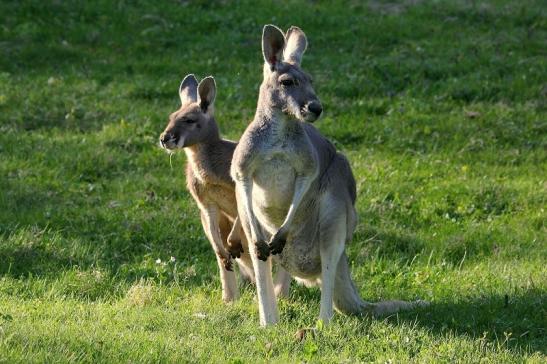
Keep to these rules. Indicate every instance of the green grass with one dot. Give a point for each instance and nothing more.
(440, 107)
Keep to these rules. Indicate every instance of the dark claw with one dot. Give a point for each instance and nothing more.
(277, 244)
(227, 263)
(262, 250)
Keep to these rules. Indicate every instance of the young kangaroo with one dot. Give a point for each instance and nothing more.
(194, 129)
(295, 193)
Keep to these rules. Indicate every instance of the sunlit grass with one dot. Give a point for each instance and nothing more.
(440, 107)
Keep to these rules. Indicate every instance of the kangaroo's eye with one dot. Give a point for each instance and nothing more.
(289, 82)
(189, 121)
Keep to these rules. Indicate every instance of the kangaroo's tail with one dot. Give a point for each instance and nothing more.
(347, 300)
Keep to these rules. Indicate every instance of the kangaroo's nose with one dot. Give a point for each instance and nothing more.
(165, 137)
(315, 107)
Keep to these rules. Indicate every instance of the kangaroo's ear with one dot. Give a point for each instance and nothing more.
(207, 91)
(188, 89)
(273, 42)
(296, 45)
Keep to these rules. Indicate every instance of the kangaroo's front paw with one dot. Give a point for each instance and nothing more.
(277, 242)
(227, 262)
(262, 250)
(235, 249)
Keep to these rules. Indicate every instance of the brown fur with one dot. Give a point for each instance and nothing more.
(194, 129)
(208, 180)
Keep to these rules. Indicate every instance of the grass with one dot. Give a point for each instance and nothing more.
(440, 107)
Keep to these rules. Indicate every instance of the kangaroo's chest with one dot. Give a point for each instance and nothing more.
(273, 187)
(280, 160)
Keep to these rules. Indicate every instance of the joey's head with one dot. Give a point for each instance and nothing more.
(193, 123)
(286, 87)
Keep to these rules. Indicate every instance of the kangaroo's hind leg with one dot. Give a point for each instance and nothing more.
(217, 228)
(267, 303)
(282, 281)
(333, 231)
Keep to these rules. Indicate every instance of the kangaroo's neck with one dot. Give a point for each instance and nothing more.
(212, 135)
(269, 115)
(206, 160)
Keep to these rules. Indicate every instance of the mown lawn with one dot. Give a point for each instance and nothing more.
(440, 107)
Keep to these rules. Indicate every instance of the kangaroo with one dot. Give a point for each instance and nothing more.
(193, 128)
(295, 193)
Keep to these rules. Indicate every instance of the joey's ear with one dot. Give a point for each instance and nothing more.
(273, 42)
(188, 89)
(296, 45)
(207, 91)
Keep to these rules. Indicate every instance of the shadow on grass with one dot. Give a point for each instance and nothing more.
(516, 321)
(389, 244)
(31, 260)
(93, 269)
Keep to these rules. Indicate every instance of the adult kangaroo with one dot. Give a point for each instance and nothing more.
(295, 193)
(194, 129)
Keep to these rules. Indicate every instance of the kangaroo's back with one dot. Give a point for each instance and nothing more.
(334, 167)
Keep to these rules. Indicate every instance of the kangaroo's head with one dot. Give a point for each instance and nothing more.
(286, 87)
(194, 122)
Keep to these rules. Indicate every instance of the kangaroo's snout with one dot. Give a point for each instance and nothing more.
(314, 110)
(168, 140)
(315, 107)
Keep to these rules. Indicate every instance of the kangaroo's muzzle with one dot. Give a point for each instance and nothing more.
(313, 111)
(168, 141)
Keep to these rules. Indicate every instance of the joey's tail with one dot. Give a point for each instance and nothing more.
(347, 300)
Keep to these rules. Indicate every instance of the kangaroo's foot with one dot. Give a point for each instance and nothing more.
(262, 250)
(277, 242)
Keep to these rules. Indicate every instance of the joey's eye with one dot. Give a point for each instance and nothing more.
(189, 121)
(289, 82)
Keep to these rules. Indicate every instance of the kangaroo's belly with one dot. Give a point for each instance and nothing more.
(301, 257)
(224, 198)
(273, 189)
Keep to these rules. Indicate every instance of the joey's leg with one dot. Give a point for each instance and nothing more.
(210, 222)
(278, 240)
(332, 243)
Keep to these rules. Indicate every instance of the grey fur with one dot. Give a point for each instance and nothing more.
(294, 191)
